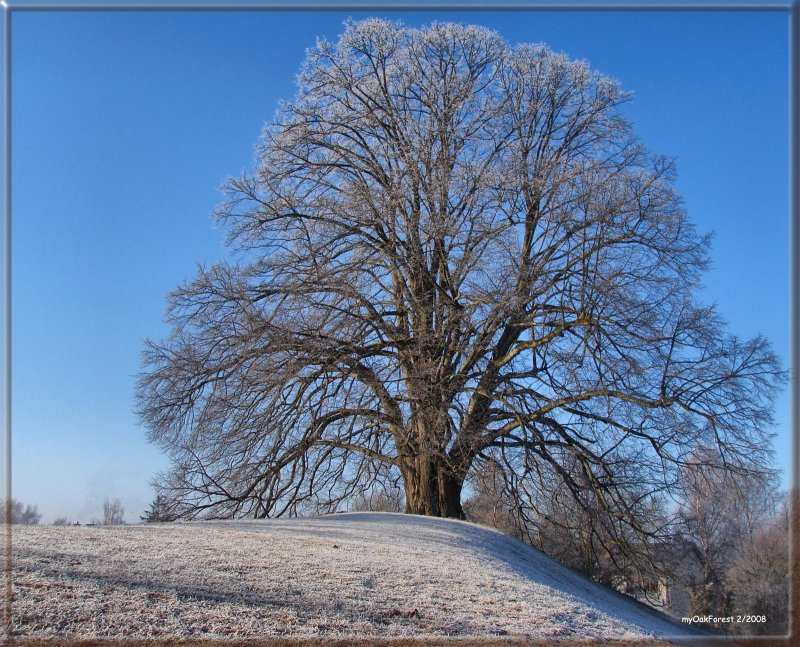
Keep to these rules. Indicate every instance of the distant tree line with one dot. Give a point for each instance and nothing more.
(20, 514)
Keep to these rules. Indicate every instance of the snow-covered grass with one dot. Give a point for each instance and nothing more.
(350, 575)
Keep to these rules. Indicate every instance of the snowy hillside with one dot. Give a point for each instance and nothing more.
(345, 575)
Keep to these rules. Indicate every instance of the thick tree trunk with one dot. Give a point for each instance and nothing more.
(432, 489)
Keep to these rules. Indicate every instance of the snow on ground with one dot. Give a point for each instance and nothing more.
(349, 575)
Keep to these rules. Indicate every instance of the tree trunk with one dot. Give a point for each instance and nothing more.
(432, 489)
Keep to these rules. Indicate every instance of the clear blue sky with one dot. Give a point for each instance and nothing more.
(125, 125)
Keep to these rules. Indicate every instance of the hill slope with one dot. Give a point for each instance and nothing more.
(345, 575)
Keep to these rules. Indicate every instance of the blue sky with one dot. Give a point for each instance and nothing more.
(124, 126)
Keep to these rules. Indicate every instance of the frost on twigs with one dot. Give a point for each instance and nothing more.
(453, 255)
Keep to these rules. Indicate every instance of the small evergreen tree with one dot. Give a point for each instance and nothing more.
(160, 510)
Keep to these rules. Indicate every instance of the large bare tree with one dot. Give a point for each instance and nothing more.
(453, 250)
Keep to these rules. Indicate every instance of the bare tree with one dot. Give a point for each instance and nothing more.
(492, 504)
(583, 529)
(723, 521)
(61, 521)
(18, 513)
(113, 513)
(758, 577)
(589, 533)
(452, 250)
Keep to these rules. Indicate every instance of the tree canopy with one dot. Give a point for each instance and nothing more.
(453, 252)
